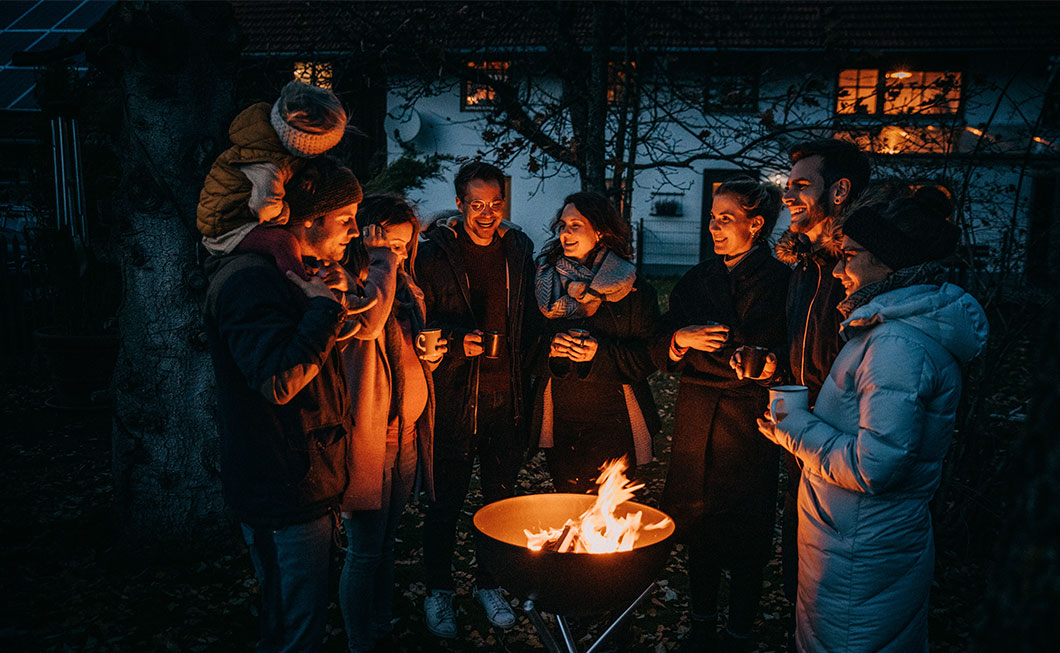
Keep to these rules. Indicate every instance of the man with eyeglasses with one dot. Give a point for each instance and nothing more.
(477, 276)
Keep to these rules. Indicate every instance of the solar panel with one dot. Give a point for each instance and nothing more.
(11, 42)
(13, 84)
(10, 11)
(46, 15)
(86, 15)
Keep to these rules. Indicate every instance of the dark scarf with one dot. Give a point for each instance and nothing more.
(924, 273)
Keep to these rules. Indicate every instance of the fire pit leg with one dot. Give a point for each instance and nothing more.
(625, 615)
(542, 629)
(568, 636)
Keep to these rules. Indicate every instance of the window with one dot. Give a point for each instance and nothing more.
(902, 139)
(480, 96)
(317, 73)
(895, 92)
(730, 86)
(619, 79)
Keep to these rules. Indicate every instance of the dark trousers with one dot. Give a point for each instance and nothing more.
(789, 541)
(745, 587)
(500, 456)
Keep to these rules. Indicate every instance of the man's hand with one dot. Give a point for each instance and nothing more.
(473, 344)
(336, 277)
(315, 287)
(440, 349)
(704, 337)
(770, 368)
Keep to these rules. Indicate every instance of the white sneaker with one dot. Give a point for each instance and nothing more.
(496, 606)
(438, 607)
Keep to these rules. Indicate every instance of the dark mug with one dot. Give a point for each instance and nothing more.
(580, 334)
(753, 361)
(492, 342)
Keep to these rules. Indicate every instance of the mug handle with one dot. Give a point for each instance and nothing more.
(773, 408)
(421, 343)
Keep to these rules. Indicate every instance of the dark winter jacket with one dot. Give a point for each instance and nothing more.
(441, 275)
(721, 467)
(624, 330)
(813, 321)
(282, 399)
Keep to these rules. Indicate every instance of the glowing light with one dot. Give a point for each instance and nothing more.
(900, 74)
(1039, 139)
(977, 132)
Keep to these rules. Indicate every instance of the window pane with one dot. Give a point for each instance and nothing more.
(317, 73)
(857, 91)
(482, 95)
(921, 92)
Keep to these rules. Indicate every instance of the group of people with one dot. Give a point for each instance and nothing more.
(361, 357)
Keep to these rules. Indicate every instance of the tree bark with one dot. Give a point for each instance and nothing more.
(175, 64)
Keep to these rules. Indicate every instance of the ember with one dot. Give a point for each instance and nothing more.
(598, 530)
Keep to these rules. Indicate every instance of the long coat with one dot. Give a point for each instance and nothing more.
(370, 380)
(624, 330)
(721, 468)
(872, 452)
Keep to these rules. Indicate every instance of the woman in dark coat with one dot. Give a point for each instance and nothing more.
(721, 488)
(592, 399)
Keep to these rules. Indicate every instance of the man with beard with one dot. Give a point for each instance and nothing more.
(826, 177)
(477, 277)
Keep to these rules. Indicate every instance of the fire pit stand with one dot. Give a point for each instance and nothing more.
(568, 584)
(568, 637)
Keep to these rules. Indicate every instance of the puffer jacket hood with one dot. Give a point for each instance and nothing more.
(792, 247)
(946, 314)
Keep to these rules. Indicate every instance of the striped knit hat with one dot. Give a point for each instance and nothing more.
(321, 186)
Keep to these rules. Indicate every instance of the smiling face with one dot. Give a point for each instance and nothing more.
(398, 237)
(806, 196)
(482, 219)
(857, 267)
(731, 228)
(576, 234)
(326, 238)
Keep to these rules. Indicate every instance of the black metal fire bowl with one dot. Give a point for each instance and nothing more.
(572, 584)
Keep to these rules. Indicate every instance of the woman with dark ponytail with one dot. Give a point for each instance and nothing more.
(872, 448)
(721, 488)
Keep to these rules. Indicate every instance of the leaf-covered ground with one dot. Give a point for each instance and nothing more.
(67, 586)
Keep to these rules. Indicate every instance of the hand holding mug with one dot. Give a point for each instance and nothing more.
(473, 344)
(372, 237)
(560, 346)
(582, 346)
(704, 337)
(753, 363)
(430, 345)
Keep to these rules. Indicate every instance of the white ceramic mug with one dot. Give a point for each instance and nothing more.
(427, 342)
(794, 396)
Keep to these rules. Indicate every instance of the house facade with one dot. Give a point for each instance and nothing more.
(962, 95)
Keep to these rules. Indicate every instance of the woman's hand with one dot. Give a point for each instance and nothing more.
(768, 428)
(704, 337)
(373, 237)
(582, 350)
(440, 350)
(473, 344)
(336, 277)
(770, 368)
(560, 346)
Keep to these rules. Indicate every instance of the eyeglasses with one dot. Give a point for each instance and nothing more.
(478, 206)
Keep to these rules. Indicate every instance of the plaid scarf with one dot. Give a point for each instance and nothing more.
(924, 273)
(569, 289)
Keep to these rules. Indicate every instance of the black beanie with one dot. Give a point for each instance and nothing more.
(321, 186)
(908, 231)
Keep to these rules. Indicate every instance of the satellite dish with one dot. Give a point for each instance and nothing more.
(404, 128)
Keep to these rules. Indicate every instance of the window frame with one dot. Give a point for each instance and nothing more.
(466, 85)
(883, 68)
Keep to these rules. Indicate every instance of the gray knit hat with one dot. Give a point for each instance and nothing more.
(322, 185)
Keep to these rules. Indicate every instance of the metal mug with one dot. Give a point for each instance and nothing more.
(492, 344)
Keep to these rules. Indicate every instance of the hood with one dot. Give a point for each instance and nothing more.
(252, 128)
(946, 314)
(793, 247)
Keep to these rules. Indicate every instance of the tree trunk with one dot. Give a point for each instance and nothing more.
(175, 63)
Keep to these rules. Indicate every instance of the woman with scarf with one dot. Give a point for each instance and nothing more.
(721, 488)
(393, 412)
(592, 362)
(873, 446)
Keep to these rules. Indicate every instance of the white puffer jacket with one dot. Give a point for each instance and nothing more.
(872, 452)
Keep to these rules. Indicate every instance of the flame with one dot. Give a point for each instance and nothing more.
(598, 530)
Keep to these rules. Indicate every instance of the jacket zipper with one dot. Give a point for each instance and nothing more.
(806, 326)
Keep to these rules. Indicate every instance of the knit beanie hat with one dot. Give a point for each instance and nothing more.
(908, 231)
(321, 186)
(303, 143)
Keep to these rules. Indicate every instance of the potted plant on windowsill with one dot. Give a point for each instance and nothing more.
(80, 293)
(669, 208)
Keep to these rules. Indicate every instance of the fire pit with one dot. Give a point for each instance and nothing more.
(570, 584)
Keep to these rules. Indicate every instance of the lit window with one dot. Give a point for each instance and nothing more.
(619, 77)
(903, 92)
(903, 139)
(481, 96)
(317, 73)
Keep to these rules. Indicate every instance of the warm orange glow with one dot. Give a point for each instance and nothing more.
(900, 74)
(977, 132)
(317, 73)
(598, 530)
(1039, 139)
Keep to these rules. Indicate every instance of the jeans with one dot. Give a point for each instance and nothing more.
(500, 458)
(366, 585)
(291, 565)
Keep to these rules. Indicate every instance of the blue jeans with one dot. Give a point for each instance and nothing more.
(366, 585)
(291, 564)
